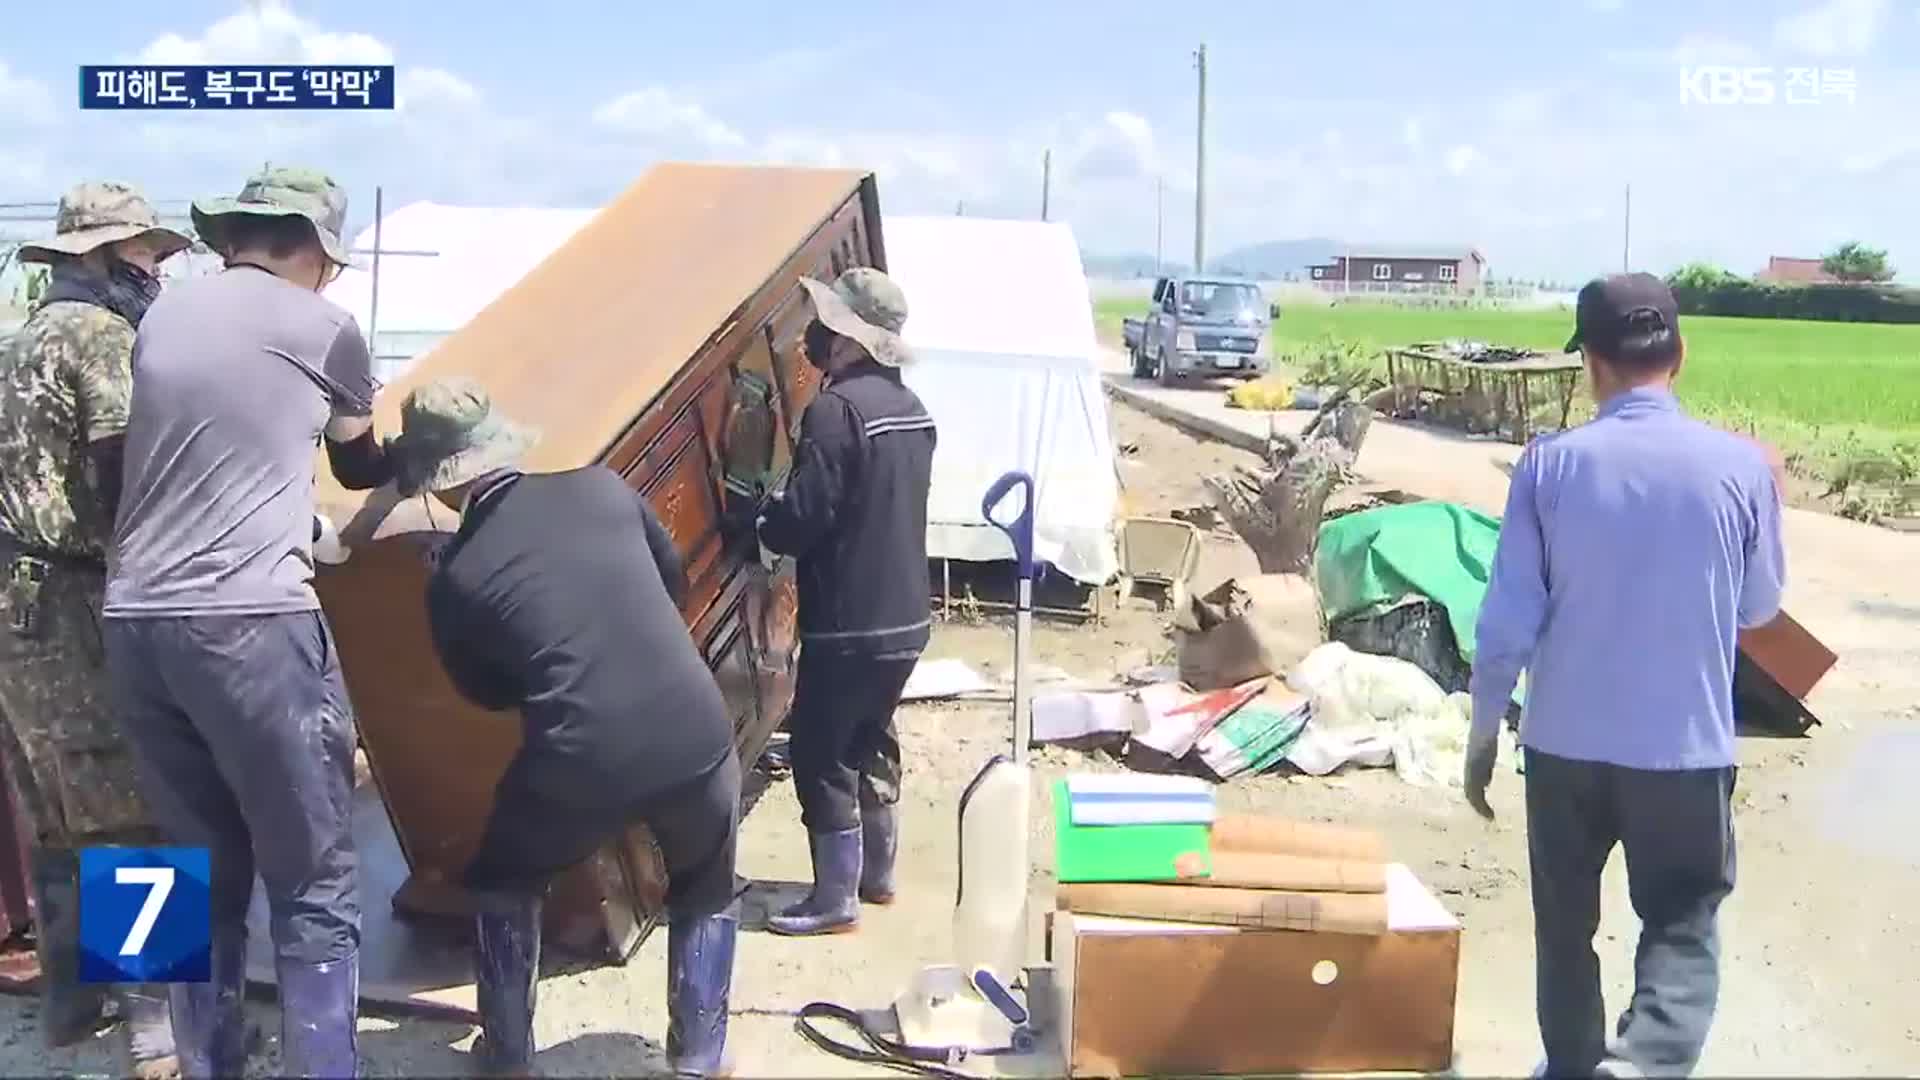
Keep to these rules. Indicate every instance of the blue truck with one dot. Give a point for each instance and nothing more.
(1202, 327)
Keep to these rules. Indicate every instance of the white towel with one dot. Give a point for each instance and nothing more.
(1129, 799)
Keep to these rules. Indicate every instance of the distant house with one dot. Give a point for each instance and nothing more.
(1786, 270)
(1377, 266)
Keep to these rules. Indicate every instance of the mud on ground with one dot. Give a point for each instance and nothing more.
(1821, 938)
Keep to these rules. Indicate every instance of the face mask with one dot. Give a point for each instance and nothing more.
(136, 280)
(819, 343)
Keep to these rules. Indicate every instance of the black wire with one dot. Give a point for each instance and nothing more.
(886, 1053)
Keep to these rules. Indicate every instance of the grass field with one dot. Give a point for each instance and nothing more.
(1831, 395)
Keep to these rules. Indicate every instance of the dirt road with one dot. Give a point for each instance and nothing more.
(1822, 936)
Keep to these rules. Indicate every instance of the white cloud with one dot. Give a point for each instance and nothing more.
(657, 112)
(1606, 5)
(267, 33)
(1832, 28)
(433, 86)
(23, 100)
(1118, 147)
(1712, 49)
(1411, 133)
(1462, 159)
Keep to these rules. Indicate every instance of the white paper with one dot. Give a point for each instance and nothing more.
(1171, 734)
(1066, 715)
(933, 679)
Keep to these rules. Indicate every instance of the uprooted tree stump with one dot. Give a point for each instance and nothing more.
(1278, 509)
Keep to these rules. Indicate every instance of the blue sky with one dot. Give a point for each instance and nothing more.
(1507, 125)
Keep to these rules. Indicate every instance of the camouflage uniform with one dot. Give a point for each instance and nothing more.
(65, 383)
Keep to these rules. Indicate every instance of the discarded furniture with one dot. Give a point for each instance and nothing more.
(1778, 665)
(1482, 390)
(1255, 1001)
(662, 340)
(1161, 553)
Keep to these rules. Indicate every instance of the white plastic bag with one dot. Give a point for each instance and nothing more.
(1378, 710)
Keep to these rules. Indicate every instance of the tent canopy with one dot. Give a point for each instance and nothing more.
(998, 313)
(1000, 318)
(439, 266)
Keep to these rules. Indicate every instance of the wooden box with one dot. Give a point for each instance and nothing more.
(671, 319)
(1142, 998)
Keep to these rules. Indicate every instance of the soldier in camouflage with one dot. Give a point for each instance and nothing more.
(65, 381)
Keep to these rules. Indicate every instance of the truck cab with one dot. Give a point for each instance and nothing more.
(1205, 326)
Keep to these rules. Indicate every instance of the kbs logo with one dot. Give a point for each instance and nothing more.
(1722, 84)
(144, 915)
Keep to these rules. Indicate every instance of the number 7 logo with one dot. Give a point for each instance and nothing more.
(159, 882)
(144, 914)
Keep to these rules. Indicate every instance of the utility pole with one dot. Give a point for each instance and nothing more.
(1159, 223)
(1626, 235)
(1046, 181)
(1200, 169)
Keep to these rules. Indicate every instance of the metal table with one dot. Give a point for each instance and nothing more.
(1502, 396)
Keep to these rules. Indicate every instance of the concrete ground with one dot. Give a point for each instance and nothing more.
(1822, 935)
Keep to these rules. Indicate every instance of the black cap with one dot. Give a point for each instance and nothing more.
(1611, 309)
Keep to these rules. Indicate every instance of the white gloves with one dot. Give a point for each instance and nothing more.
(328, 548)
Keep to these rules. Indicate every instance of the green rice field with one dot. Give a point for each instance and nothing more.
(1826, 393)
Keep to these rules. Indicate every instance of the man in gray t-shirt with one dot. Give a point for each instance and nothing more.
(223, 668)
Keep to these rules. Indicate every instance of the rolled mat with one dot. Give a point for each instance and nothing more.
(1274, 836)
(1299, 873)
(1258, 909)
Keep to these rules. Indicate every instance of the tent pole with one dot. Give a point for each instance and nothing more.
(373, 303)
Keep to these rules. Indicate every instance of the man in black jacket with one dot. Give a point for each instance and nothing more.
(854, 513)
(560, 596)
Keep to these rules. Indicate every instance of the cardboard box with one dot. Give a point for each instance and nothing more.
(1142, 998)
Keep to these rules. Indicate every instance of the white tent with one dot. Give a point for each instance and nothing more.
(999, 316)
(998, 312)
(440, 265)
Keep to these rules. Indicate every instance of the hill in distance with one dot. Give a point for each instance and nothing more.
(1273, 259)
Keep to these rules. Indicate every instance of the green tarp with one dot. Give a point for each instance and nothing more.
(1381, 556)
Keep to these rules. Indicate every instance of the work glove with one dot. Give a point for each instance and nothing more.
(1482, 752)
(327, 547)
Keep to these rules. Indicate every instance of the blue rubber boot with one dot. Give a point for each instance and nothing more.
(880, 834)
(209, 1018)
(832, 907)
(319, 1011)
(506, 961)
(699, 981)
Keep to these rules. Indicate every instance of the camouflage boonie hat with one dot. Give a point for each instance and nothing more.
(449, 435)
(101, 212)
(281, 192)
(865, 305)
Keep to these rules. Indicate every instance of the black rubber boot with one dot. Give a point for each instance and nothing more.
(319, 1013)
(506, 964)
(209, 1018)
(699, 982)
(832, 907)
(147, 1032)
(880, 835)
(70, 1010)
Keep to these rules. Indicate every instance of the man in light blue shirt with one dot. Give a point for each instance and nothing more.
(1633, 551)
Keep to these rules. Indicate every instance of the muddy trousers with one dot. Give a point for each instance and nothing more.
(1676, 828)
(245, 740)
(845, 750)
(76, 780)
(695, 825)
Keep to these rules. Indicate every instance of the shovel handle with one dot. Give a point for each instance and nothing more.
(1020, 529)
